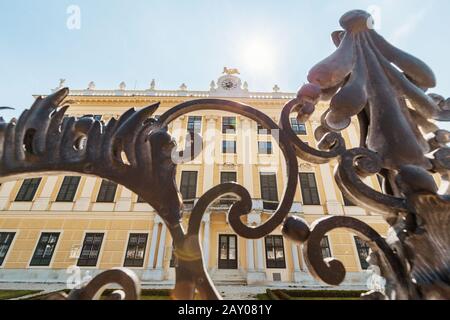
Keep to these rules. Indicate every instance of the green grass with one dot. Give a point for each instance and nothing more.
(326, 299)
(324, 293)
(146, 294)
(262, 296)
(309, 295)
(155, 298)
(12, 294)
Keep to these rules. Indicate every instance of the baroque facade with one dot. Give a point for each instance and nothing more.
(52, 223)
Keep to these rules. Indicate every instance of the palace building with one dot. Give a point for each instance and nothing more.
(52, 223)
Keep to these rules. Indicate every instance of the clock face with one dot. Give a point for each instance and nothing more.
(229, 84)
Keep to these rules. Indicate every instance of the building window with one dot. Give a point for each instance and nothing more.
(228, 252)
(348, 202)
(269, 190)
(107, 191)
(275, 258)
(91, 250)
(380, 181)
(265, 147)
(194, 125)
(229, 125)
(263, 131)
(188, 187)
(28, 190)
(227, 177)
(363, 252)
(299, 128)
(325, 246)
(310, 192)
(44, 250)
(97, 117)
(229, 147)
(68, 189)
(6, 239)
(136, 250)
(173, 258)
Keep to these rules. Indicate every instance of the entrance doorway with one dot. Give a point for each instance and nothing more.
(228, 252)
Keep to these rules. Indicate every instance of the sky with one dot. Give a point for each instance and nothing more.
(190, 41)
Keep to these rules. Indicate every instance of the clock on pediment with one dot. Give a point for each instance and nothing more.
(229, 83)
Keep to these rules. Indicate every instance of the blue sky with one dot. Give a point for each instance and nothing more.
(191, 41)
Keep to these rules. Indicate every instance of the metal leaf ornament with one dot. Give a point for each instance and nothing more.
(384, 86)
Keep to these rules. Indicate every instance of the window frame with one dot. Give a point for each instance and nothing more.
(309, 201)
(97, 258)
(173, 263)
(268, 148)
(296, 127)
(348, 202)
(274, 201)
(64, 197)
(225, 146)
(102, 185)
(363, 264)
(275, 263)
(40, 262)
(226, 126)
(322, 248)
(262, 131)
(188, 199)
(136, 263)
(228, 199)
(28, 183)
(13, 235)
(197, 121)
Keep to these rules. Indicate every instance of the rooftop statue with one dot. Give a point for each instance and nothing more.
(230, 71)
(91, 85)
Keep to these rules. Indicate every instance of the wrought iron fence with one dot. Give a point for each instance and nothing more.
(366, 77)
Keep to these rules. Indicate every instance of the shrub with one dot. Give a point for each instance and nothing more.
(272, 295)
(323, 293)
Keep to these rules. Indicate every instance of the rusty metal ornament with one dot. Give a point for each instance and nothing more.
(94, 289)
(394, 112)
(386, 89)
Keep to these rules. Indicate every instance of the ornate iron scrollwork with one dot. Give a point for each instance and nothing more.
(361, 80)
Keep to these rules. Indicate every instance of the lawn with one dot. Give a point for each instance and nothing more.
(12, 294)
(147, 294)
(309, 295)
(155, 298)
(326, 299)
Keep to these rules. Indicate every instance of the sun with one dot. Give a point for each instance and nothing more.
(258, 55)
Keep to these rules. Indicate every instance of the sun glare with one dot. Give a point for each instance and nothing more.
(258, 55)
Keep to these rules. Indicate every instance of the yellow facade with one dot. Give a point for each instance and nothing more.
(124, 215)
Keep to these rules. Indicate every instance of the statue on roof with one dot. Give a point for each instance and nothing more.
(230, 71)
(62, 83)
(91, 85)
